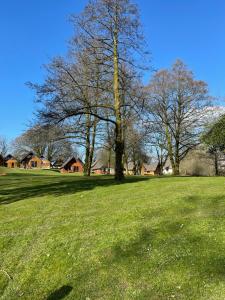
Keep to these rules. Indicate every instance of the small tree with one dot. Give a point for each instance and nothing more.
(214, 138)
(3, 147)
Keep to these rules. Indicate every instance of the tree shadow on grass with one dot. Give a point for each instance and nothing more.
(174, 257)
(56, 186)
(61, 293)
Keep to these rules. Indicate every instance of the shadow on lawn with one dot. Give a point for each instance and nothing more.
(175, 256)
(60, 293)
(56, 186)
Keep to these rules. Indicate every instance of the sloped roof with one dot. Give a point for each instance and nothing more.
(8, 157)
(130, 166)
(98, 164)
(167, 164)
(43, 159)
(69, 160)
(28, 155)
(150, 167)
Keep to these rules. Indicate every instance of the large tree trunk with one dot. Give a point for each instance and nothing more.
(176, 170)
(119, 143)
(87, 146)
(119, 149)
(170, 151)
(109, 160)
(92, 148)
(177, 161)
(216, 163)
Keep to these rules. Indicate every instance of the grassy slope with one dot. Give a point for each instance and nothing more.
(66, 237)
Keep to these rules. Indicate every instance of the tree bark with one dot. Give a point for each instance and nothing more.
(170, 151)
(119, 143)
(92, 148)
(87, 146)
(119, 149)
(216, 163)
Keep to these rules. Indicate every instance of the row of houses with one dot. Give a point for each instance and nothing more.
(73, 165)
(32, 161)
(197, 162)
(29, 161)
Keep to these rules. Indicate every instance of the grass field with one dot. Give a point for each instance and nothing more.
(67, 237)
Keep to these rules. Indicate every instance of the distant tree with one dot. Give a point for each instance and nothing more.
(156, 139)
(135, 147)
(44, 141)
(214, 138)
(176, 105)
(4, 147)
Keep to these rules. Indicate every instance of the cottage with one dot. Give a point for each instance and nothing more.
(101, 168)
(167, 168)
(132, 169)
(32, 161)
(150, 169)
(199, 162)
(72, 165)
(129, 168)
(11, 162)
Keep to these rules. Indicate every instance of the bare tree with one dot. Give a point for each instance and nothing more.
(108, 33)
(3, 146)
(156, 139)
(135, 147)
(176, 103)
(45, 141)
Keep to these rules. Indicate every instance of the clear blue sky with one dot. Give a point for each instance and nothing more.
(31, 32)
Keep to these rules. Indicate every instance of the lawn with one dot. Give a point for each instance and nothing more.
(68, 237)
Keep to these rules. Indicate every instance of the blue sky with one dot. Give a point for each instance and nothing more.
(33, 31)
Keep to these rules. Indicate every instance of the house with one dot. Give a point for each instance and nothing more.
(129, 168)
(199, 162)
(45, 163)
(101, 168)
(132, 169)
(167, 168)
(72, 165)
(11, 162)
(57, 163)
(32, 161)
(150, 169)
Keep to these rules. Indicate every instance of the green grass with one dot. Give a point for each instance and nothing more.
(67, 237)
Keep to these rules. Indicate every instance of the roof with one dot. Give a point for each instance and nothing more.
(167, 164)
(44, 159)
(69, 160)
(150, 167)
(8, 157)
(98, 164)
(29, 155)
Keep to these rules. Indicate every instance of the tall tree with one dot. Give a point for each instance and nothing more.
(109, 32)
(176, 104)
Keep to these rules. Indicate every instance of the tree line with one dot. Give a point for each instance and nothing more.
(95, 96)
